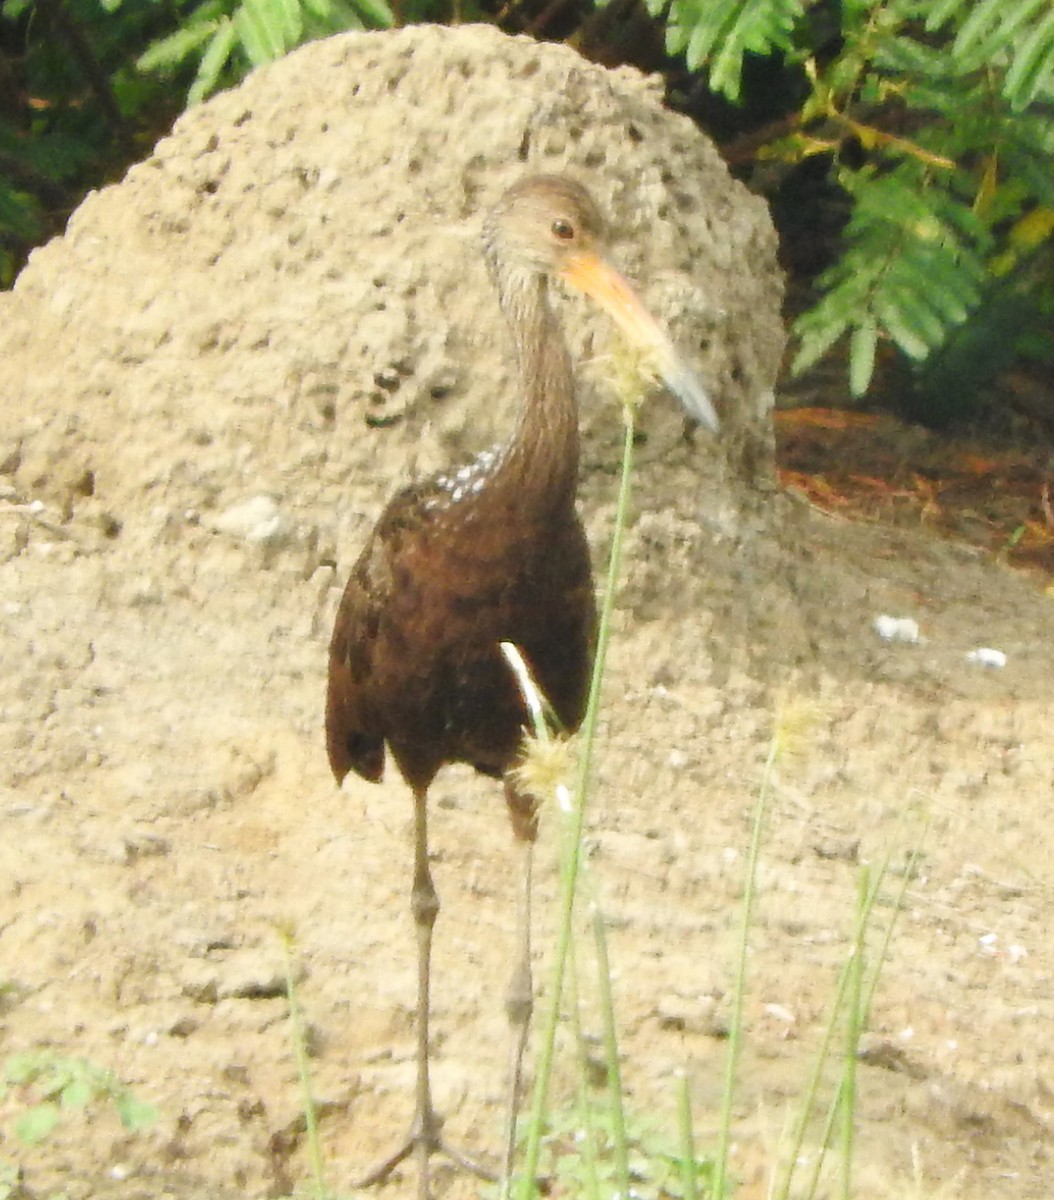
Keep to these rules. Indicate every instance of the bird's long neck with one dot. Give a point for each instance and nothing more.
(540, 459)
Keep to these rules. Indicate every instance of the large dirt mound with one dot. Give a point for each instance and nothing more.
(298, 264)
(211, 383)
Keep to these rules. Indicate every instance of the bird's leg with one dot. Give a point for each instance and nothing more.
(424, 1135)
(424, 904)
(519, 1000)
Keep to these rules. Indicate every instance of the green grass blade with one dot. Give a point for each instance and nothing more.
(686, 1140)
(570, 868)
(735, 1037)
(296, 1025)
(854, 1028)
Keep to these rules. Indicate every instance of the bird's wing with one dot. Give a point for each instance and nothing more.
(354, 738)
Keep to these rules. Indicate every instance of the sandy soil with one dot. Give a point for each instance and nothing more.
(211, 384)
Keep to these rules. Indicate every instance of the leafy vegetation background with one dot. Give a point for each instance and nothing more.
(907, 146)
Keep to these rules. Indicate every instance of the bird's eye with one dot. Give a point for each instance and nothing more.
(563, 229)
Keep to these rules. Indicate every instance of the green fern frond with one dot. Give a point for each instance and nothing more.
(912, 270)
(952, 164)
(265, 30)
(1016, 37)
(214, 61)
(170, 52)
(1031, 73)
(718, 33)
(229, 37)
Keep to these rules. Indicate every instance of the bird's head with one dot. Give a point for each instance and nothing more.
(549, 225)
(541, 223)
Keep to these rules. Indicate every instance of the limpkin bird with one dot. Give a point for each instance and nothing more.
(491, 552)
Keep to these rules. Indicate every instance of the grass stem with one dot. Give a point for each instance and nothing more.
(687, 1140)
(854, 1026)
(570, 866)
(735, 1037)
(296, 1024)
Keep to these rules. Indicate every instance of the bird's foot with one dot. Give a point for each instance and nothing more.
(425, 1139)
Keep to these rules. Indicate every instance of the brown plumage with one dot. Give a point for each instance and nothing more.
(491, 552)
(469, 558)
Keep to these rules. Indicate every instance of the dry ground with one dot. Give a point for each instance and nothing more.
(166, 806)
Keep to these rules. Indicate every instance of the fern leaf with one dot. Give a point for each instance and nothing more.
(1017, 37)
(707, 30)
(862, 346)
(950, 299)
(942, 12)
(259, 31)
(376, 12)
(907, 56)
(720, 32)
(991, 28)
(169, 52)
(1027, 152)
(912, 271)
(763, 26)
(215, 58)
(289, 18)
(910, 302)
(896, 323)
(1033, 65)
(818, 330)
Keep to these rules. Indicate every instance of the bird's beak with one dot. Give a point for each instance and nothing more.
(593, 275)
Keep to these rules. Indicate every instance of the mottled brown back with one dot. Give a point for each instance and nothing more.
(415, 659)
